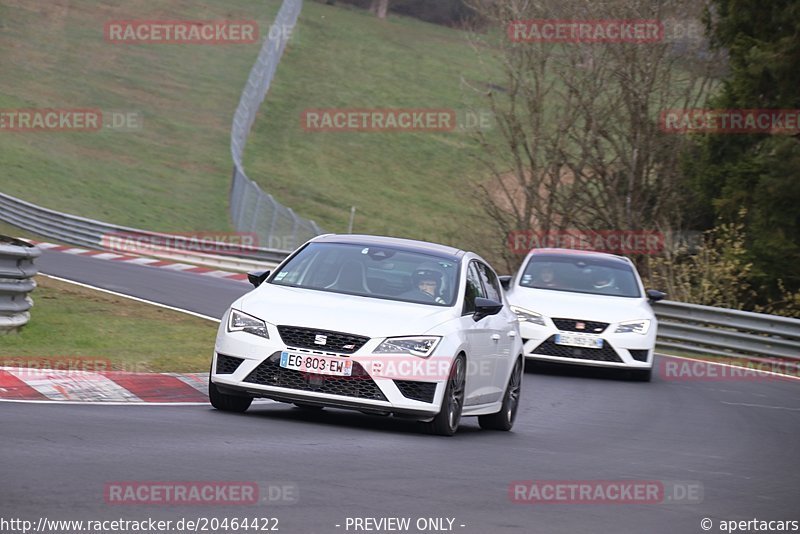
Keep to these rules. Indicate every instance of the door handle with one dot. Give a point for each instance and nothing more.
(511, 333)
(495, 337)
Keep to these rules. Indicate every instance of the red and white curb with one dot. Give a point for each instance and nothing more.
(141, 260)
(25, 384)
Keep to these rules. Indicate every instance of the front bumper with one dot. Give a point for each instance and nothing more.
(631, 351)
(241, 367)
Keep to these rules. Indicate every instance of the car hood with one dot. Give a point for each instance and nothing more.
(583, 306)
(372, 317)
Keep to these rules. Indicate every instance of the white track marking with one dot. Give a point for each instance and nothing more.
(179, 266)
(75, 251)
(142, 261)
(137, 299)
(107, 256)
(762, 406)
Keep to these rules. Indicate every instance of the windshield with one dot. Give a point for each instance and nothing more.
(372, 271)
(599, 277)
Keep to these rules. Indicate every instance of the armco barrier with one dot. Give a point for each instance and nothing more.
(85, 232)
(722, 332)
(17, 270)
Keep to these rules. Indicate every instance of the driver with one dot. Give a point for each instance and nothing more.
(602, 280)
(429, 282)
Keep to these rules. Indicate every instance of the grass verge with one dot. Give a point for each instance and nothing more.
(71, 323)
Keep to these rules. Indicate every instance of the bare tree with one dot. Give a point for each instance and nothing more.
(579, 144)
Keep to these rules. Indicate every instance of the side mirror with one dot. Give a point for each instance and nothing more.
(257, 277)
(485, 307)
(505, 281)
(655, 296)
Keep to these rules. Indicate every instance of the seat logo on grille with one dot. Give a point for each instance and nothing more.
(319, 339)
(580, 326)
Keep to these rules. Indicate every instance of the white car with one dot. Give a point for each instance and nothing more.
(585, 308)
(376, 324)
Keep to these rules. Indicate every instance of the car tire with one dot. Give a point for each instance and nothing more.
(644, 375)
(227, 403)
(504, 419)
(445, 423)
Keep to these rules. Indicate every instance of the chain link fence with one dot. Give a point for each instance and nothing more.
(253, 210)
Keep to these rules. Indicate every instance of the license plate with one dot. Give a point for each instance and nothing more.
(579, 340)
(316, 364)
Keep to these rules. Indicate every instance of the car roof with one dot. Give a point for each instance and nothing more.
(407, 245)
(572, 254)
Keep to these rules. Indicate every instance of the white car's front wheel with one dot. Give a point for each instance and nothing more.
(446, 421)
(227, 403)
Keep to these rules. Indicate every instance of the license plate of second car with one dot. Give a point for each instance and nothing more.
(579, 340)
(316, 364)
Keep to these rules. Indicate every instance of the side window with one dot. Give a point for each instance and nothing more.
(473, 289)
(490, 283)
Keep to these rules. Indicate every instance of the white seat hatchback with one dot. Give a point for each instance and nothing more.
(376, 324)
(584, 308)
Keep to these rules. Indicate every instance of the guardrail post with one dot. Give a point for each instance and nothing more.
(16, 282)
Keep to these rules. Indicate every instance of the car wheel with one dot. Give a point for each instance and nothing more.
(227, 403)
(446, 421)
(504, 419)
(642, 375)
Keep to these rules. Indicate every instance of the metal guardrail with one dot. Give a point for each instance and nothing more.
(90, 233)
(253, 210)
(723, 332)
(17, 270)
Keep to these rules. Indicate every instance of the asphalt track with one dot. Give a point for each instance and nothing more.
(736, 439)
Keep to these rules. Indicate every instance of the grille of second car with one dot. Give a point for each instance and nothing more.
(359, 384)
(550, 348)
(571, 325)
(416, 390)
(227, 365)
(297, 336)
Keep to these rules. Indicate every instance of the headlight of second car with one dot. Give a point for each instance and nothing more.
(241, 322)
(640, 326)
(528, 316)
(422, 346)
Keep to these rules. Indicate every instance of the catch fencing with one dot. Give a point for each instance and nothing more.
(253, 210)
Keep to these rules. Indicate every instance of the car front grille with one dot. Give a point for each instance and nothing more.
(359, 384)
(640, 355)
(297, 336)
(227, 365)
(572, 325)
(550, 348)
(415, 390)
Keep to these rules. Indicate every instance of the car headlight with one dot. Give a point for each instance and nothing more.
(528, 316)
(640, 326)
(422, 346)
(241, 322)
